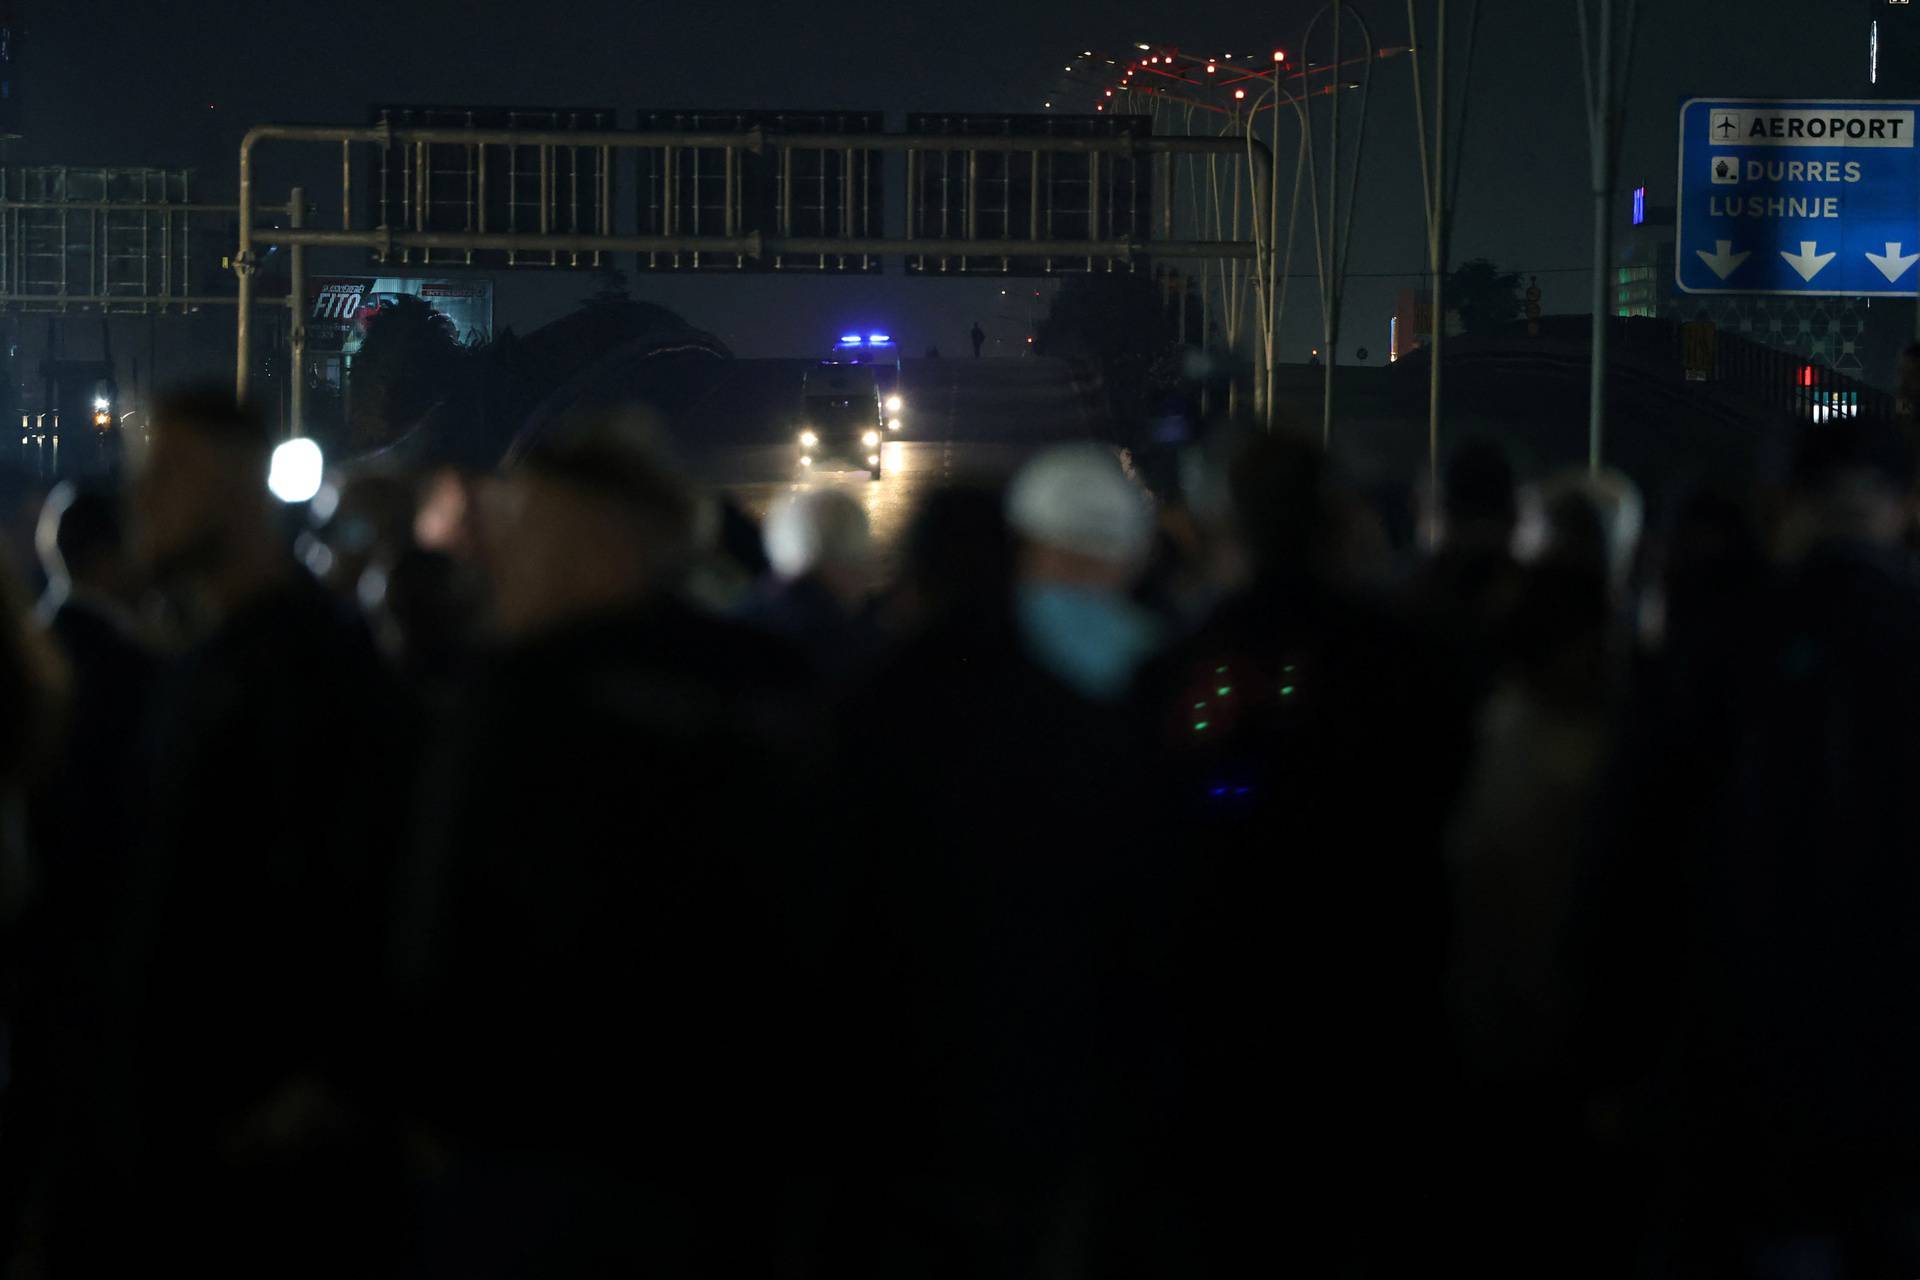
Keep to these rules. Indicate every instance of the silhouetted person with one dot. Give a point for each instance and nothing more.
(993, 970)
(607, 935)
(1465, 592)
(1751, 959)
(1308, 749)
(89, 610)
(31, 704)
(979, 337)
(729, 560)
(82, 823)
(823, 558)
(247, 966)
(1515, 852)
(1085, 532)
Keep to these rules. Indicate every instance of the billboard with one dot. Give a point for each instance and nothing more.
(343, 306)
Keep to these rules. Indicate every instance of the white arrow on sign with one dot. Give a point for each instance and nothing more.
(1808, 263)
(1892, 265)
(1723, 261)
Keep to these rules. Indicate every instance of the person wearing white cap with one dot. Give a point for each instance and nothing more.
(1086, 530)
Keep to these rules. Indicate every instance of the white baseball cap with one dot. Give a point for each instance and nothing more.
(1076, 497)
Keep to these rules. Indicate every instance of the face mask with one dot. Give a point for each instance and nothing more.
(1093, 640)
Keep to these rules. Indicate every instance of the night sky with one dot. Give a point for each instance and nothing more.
(113, 82)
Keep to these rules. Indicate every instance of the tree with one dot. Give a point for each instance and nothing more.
(1485, 296)
(1119, 323)
(410, 361)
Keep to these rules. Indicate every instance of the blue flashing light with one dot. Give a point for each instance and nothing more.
(877, 338)
(1639, 206)
(849, 339)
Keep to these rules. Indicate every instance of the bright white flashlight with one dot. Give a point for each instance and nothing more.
(297, 470)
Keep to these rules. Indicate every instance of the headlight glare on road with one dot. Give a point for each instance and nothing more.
(870, 439)
(808, 439)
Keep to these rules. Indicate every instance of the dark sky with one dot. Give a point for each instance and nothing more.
(116, 82)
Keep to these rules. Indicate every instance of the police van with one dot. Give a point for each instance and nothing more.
(849, 402)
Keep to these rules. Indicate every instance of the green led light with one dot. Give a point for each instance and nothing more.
(1198, 725)
(1199, 706)
(1288, 669)
(1224, 690)
(1219, 671)
(1286, 690)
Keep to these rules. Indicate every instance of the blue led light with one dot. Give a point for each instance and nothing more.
(849, 339)
(879, 337)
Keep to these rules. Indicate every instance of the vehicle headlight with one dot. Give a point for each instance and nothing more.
(895, 404)
(870, 439)
(809, 439)
(894, 425)
(806, 462)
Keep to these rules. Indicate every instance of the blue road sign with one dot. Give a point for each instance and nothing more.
(1803, 197)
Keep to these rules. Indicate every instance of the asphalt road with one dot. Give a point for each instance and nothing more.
(963, 418)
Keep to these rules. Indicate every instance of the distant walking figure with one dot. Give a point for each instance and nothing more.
(979, 337)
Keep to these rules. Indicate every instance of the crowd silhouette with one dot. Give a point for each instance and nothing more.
(550, 872)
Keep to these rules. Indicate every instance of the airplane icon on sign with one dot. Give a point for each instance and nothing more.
(1727, 127)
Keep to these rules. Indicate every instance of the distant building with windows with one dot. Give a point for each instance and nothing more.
(1643, 260)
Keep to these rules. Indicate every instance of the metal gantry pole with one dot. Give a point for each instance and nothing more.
(297, 318)
(243, 269)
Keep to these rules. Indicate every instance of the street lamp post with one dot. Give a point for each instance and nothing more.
(1441, 190)
(1333, 241)
(1597, 65)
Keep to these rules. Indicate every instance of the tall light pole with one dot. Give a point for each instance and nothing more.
(1604, 116)
(1275, 265)
(1441, 192)
(1332, 240)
